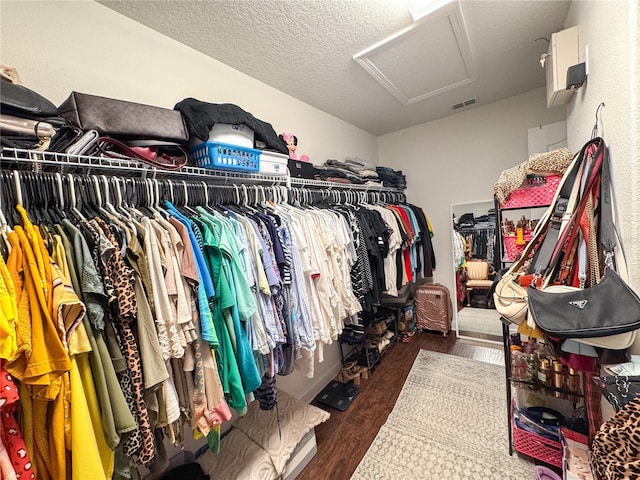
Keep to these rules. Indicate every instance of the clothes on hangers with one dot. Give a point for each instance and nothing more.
(480, 240)
(459, 257)
(156, 318)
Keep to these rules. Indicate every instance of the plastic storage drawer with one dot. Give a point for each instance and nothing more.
(273, 163)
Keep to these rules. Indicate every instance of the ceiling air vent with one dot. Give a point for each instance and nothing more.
(466, 103)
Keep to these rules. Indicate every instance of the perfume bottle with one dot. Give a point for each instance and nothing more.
(544, 374)
(518, 365)
(532, 369)
(573, 384)
(558, 379)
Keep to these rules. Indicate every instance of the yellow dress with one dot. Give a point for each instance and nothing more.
(44, 370)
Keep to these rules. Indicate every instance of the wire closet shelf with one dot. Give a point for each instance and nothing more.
(41, 161)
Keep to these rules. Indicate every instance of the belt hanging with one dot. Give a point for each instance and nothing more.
(598, 152)
(542, 257)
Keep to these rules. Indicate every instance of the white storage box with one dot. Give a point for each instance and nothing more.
(238, 135)
(273, 163)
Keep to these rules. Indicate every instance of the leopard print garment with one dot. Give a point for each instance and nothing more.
(122, 277)
(556, 161)
(615, 452)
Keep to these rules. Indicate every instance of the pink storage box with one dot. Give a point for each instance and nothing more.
(511, 248)
(534, 195)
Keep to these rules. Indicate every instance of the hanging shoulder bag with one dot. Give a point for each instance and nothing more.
(510, 295)
(607, 313)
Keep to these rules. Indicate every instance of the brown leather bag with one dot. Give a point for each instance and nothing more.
(124, 120)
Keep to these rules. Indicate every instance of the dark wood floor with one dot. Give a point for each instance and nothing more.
(344, 439)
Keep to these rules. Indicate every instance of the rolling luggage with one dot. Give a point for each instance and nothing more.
(433, 308)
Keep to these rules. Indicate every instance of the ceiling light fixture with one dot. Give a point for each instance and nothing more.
(422, 8)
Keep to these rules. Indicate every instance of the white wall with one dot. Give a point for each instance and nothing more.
(59, 47)
(611, 29)
(458, 159)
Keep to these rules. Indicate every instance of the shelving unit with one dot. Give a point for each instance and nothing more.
(523, 441)
(531, 200)
(362, 351)
(37, 161)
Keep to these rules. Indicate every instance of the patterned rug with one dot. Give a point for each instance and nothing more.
(449, 423)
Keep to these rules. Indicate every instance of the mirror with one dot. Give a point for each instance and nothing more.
(476, 260)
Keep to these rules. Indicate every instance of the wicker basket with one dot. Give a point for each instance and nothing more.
(534, 195)
(537, 447)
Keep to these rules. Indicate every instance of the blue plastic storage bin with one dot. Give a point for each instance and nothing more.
(226, 157)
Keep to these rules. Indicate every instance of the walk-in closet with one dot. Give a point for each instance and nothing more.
(337, 239)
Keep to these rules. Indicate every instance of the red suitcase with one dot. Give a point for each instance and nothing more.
(433, 308)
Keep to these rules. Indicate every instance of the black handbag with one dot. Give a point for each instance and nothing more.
(606, 310)
(619, 389)
(64, 137)
(22, 102)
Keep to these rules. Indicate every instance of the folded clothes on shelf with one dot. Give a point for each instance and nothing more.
(326, 172)
(392, 178)
(357, 164)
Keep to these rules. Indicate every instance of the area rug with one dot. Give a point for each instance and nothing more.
(450, 422)
(485, 321)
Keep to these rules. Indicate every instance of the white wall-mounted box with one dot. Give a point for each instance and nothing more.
(564, 52)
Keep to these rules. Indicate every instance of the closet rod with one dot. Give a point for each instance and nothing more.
(474, 229)
(65, 163)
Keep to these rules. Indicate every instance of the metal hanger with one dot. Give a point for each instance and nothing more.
(594, 130)
(24, 191)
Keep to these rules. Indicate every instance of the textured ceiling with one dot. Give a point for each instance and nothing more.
(305, 48)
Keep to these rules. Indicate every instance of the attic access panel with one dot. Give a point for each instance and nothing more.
(429, 57)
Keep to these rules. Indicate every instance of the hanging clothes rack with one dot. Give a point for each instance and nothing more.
(40, 191)
(38, 161)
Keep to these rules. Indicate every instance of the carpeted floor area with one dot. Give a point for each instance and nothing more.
(449, 423)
